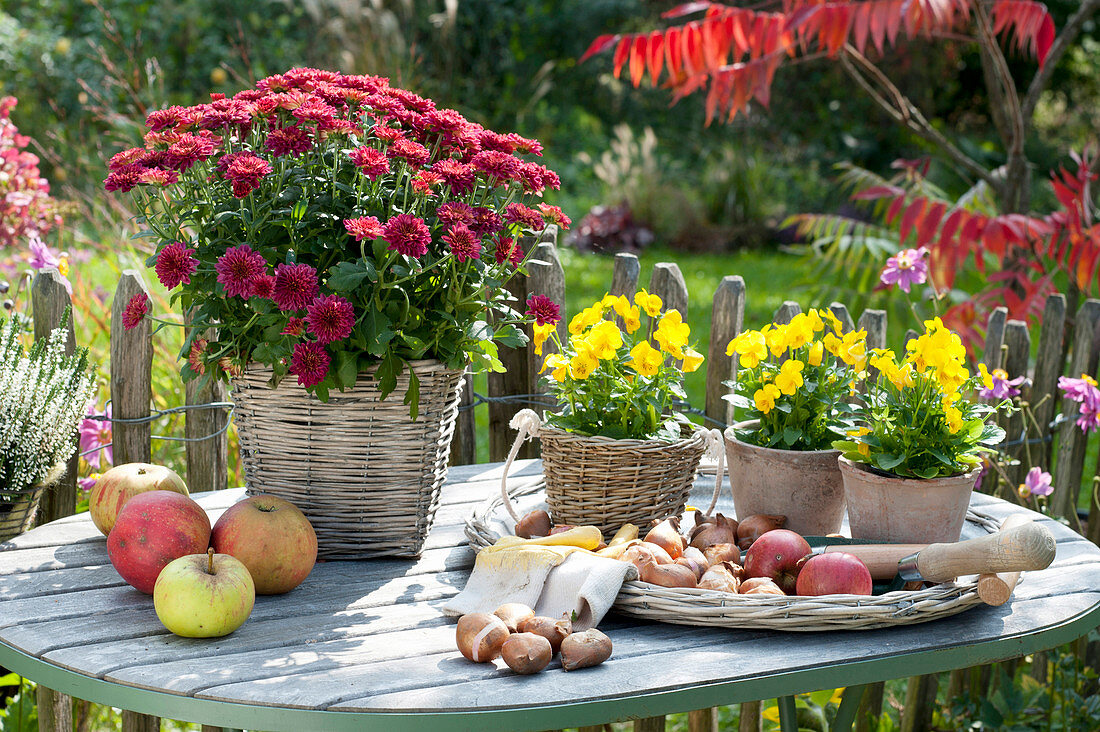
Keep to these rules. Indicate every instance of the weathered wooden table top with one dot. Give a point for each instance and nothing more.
(362, 645)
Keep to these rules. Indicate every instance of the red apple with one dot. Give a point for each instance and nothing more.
(153, 529)
(834, 573)
(121, 483)
(775, 554)
(272, 538)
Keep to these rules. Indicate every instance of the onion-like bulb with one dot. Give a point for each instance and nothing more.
(694, 565)
(666, 535)
(751, 527)
(760, 586)
(535, 523)
(719, 553)
(667, 575)
(717, 530)
(721, 577)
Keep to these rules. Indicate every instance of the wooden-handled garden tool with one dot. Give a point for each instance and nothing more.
(1020, 545)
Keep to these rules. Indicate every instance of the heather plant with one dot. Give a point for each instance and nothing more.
(328, 224)
(43, 394)
(612, 381)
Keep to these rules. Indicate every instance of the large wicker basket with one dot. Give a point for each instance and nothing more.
(598, 481)
(364, 473)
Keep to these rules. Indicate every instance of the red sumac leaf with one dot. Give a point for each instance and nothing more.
(602, 43)
(637, 60)
(622, 52)
(930, 223)
(655, 52)
(911, 218)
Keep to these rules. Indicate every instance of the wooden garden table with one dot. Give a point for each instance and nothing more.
(362, 645)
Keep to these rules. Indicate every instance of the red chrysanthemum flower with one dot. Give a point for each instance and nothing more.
(555, 215)
(407, 235)
(372, 162)
(243, 171)
(315, 110)
(524, 144)
(162, 119)
(175, 265)
(238, 269)
(389, 134)
(517, 213)
(459, 176)
(295, 286)
(188, 150)
(264, 286)
(135, 155)
(455, 212)
(309, 362)
(500, 167)
(497, 142)
(135, 311)
(158, 177)
(223, 112)
(330, 318)
(364, 227)
(543, 310)
(412, 100)
(445, 120)
(292, 141)
(294, 327)
(424, 181)
(486, 222)
(124, 179)
(194, 357)
(507, 250)
(464, 243)
(412, 152)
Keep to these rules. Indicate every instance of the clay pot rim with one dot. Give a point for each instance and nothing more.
(851, 466)
(729, 434)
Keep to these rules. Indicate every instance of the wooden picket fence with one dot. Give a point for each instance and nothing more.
(1068, 343)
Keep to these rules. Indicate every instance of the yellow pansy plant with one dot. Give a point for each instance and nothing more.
(615, 378)
(916, 421)
(793, 380)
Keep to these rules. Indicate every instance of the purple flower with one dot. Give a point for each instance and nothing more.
(95, 437)
(906, 268)
(997, 385)
(1084, 391)
(1037, 483)
(42, 257)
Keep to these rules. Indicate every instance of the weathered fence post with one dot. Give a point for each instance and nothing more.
(1071, 441)
(624, 276)
(131, 395)
(545, 276)
(207, 457)
(464, 442)
(49, 300)
(1018, 345)
(1048, 367)
(727, 319)
(874, 322)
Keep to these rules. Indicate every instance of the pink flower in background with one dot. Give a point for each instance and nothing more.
(1084, 391)
(95, 437)
(906, 268)
(997, 385)
(309, 363)
(175, 265)
(135, 311)
(330, 318)
(87, 483)
(1037, 483)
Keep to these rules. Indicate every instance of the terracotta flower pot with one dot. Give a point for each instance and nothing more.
(905, 510)
(804, 486)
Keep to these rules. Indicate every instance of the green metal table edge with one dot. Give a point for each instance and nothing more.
(555, 716)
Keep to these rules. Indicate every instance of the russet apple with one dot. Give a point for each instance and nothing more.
(153, 529)
(834, 573)
(204, 595)
(121, 483)
(775, 554)
(272, 537)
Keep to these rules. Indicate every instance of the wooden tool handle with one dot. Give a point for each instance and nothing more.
(1029, 546)
(881, 559)
(996, 588)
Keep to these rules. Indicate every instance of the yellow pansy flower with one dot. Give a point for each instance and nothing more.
(583, 364)
(645, 359)
(816, 322)
(672, 333)
(834, 321)
(789, 378)
(692, 360)
(650, 303)
(539, 335)
(776, 338)
(853, 348)
(799, 331)
(816, 354)
(765, 397)
(605, 339)
(751, 347)
(558, 364)
(632, 319)
(586, 319)
(954, 418)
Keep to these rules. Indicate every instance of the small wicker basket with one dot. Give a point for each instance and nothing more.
(598, 481)
(18, 507)
(365, 475)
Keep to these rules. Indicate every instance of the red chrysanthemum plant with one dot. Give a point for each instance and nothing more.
(323, 224)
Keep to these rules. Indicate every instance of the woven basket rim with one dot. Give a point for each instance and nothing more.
(626, 443)
(421, 364)
(799, 613)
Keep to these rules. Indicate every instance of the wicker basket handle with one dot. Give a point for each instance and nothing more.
(528, 424)
(715, 448)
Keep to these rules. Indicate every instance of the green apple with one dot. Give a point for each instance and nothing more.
(204, 595)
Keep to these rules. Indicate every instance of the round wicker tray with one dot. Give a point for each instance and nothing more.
(720, 609)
